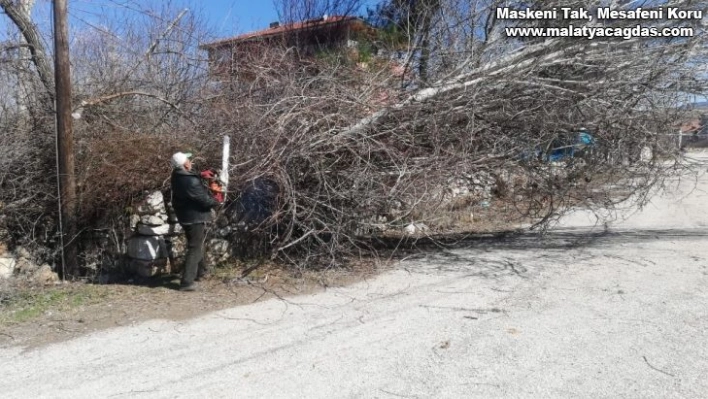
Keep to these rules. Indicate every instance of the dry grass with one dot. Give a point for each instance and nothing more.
(20, 304)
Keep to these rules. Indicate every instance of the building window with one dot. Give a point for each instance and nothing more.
(222, 55)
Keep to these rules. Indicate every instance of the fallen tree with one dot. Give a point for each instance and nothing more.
(360, 144)
(348, 162)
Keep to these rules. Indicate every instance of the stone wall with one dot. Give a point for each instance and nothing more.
(156, 244)
(21, 265)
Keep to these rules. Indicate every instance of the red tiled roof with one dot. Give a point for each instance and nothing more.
(309, 24)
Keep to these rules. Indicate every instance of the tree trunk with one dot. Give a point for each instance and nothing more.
(19, 14)
(424, 50)
(65, 141)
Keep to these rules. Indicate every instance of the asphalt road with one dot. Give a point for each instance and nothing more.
(621, 314)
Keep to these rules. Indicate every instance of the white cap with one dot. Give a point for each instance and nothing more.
(180, 158)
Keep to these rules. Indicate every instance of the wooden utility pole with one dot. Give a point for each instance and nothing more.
(65, 141)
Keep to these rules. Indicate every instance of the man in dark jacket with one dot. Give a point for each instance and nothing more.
(192, 204)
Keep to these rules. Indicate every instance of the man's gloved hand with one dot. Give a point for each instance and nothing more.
(207, 174)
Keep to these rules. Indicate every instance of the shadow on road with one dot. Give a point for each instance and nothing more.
(522, 254)
(566, 238)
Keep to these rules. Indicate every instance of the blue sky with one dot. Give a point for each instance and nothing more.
(231, 17)
(238, 16)
(225, 17)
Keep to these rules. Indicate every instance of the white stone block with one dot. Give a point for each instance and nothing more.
(146, 230)
(155, 200)
(646, 154)
(175, 228)
(7, 266)
(414, 228)
(153, 204)
(152, 220)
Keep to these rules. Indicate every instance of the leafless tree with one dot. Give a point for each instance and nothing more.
(490, 114)
(363, 143)
(137, 76)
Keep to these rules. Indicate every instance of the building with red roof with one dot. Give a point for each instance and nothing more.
(238, 56)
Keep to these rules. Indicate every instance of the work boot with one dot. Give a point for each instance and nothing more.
(188, 287)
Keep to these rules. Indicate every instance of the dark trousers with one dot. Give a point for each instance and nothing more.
(194, 260)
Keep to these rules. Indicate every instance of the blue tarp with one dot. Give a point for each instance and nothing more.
(583, 140)
(586, 138)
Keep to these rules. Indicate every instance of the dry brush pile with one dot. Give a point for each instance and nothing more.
(358, 147)
(354, 150)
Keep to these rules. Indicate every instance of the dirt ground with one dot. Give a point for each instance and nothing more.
(39, 316)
